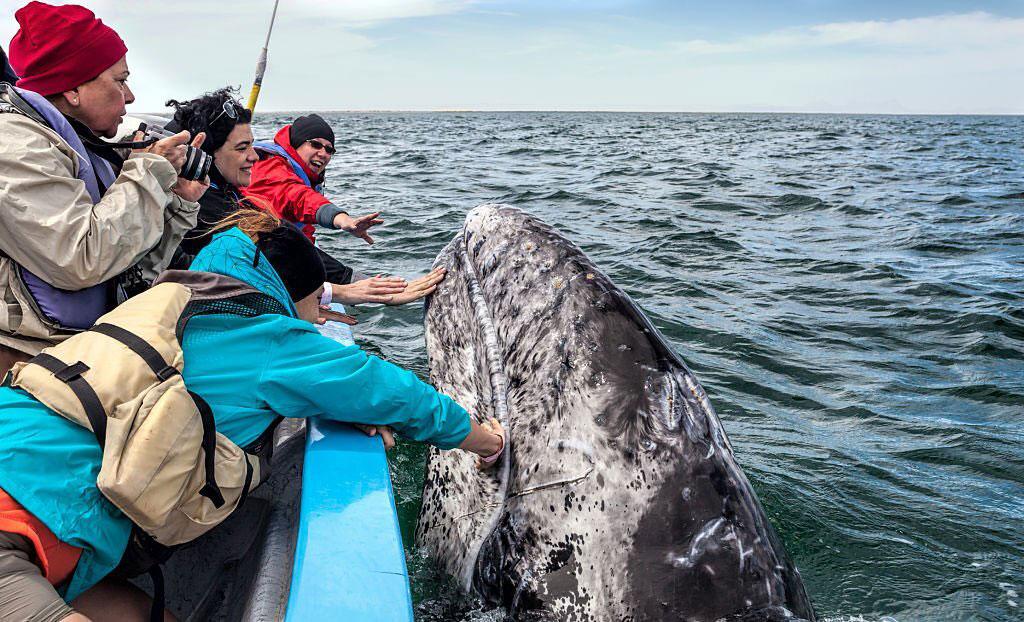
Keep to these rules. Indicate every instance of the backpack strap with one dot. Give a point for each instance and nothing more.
(71, 375)
(156, 610)
(211, 490)
(139, 346)
(163, 371)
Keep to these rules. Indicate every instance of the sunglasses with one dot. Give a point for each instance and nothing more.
(319, 145)
(227, 109)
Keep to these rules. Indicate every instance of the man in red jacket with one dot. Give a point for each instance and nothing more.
(289, 178)
(290, 175)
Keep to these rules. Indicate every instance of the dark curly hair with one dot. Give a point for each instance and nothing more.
(196, 115)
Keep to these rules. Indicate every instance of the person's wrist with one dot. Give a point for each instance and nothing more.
(328, 215)
(342, 221)
(497, 453)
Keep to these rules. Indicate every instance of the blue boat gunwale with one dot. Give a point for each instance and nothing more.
(349, 561)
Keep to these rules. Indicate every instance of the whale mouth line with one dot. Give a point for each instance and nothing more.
(499, 399)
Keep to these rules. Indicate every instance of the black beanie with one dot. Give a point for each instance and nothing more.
(295, 259)
(309, 127)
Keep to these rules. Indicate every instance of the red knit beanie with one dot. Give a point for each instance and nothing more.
(60, 47)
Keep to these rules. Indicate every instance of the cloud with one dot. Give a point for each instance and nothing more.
(373, 54)
(362, 12)
(183, 48)
(344, 12)
(937, 33)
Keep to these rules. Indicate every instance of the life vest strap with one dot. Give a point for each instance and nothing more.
(71, 375)
(139, 346)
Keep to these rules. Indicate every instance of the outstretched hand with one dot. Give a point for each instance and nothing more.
(377, 289)
(358, 227)
(418, 288)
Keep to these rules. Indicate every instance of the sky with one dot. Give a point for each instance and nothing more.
(863, 56)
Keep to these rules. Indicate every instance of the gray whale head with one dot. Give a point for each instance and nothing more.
(619, 497)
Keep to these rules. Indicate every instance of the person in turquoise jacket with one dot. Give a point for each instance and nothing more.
(250, 370)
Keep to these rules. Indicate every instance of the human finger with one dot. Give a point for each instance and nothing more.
(180, 138)
(381, 298)
(366, 236)
(368, 430)
(496, 426)
(378, 287)
(415, 292)
(387, 288)
(368, 217)
(197, 142)
(413, 296)
(433, 274)
(328, 314)
(391, 280)
(138, 137)
(434, 277)
(388, 437)
(172, 149)
(422, 285)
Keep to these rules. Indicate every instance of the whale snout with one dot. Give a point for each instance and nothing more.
(481, 218)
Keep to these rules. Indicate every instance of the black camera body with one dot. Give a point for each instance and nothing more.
(197, 162)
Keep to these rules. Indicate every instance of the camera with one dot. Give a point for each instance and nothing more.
(197, 162)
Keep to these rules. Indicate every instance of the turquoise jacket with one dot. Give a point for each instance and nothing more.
(250, 370)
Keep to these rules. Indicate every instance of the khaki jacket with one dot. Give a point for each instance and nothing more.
(49, 224)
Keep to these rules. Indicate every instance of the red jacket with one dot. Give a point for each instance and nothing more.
(274, 181)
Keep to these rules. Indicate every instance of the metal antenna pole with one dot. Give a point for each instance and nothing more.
(261, 64)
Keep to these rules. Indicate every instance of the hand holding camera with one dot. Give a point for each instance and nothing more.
(191, 190)
(175, 148)
(188, 160)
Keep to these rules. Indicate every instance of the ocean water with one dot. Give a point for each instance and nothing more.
(849, 290)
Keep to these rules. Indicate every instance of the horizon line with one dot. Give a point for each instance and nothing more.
(639, 111)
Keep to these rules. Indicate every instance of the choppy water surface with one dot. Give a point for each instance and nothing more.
(847, 288)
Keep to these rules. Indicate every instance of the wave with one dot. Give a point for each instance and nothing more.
(797, 202)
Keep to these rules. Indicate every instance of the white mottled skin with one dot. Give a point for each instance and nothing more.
(620, 498)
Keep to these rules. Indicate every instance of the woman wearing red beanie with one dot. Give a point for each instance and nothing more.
(83, 228)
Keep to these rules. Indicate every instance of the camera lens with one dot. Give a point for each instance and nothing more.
(197, 164)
